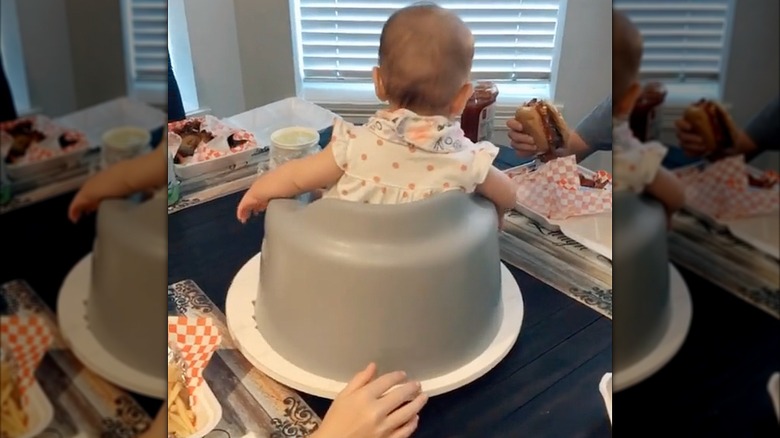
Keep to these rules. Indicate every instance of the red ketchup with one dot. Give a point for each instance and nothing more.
(477, 118)
(643, 117)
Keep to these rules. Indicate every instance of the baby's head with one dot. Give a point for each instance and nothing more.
(425, 56)
(626, 59)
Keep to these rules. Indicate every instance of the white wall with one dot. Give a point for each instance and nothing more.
(753, 64)
(72, 51)
(243, 56)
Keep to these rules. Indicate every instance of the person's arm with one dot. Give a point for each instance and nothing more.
(499, 189)
(289, 180)
(666, 187)
(125, 178)
(763, 131)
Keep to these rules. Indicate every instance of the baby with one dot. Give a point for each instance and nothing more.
(637, 165)
(143, 173)
(413, 149)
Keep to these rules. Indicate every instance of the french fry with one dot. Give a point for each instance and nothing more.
(181, 418)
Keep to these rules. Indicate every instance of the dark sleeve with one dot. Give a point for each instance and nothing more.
(764, 129)
(7, 107)
(175, 104)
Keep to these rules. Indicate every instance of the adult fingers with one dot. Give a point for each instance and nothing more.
(360, 379)
(384, 382)
(397, 397)
(407, 429)
(683, 125)
(407, 412)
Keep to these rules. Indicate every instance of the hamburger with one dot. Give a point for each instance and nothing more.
(709, 120)
(542, 121)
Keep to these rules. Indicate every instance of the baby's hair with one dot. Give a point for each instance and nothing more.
(425, 57)
(626, 54)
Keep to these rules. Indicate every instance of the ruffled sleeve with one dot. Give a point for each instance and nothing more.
(339, 142)
(484, 155)
(635, 168)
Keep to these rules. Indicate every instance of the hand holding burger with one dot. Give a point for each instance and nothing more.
(545, 128)
(706, 129)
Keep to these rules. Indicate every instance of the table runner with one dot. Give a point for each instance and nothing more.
(252, 403)
(716, 255)
(84, 404)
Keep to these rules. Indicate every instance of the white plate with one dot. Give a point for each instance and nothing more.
(243, 328)
(605, 388)
(593, 231)
(208, 411)
(774, 392)
(671, 341)
(761, 232)
(293, 111)
(39, 411)
(96, 120)
(72, 319)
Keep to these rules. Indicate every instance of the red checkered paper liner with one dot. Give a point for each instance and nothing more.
(722, 190)
(554, 191)
(197, 339)
(50, 147)
(213, 149)
(26, 339)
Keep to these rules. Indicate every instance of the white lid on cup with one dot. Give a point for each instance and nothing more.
(126, 138)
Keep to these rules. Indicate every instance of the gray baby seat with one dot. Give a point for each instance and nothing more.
(414, 286)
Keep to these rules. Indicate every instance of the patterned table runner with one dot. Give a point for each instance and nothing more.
(716, 255)
(558, 261)
(252, 403)
(84, 404)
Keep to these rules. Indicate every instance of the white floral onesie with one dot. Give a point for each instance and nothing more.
(401, 157)
(635, 163)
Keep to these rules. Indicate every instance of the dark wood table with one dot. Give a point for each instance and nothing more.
(547, 385)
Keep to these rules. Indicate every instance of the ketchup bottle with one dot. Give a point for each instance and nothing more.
(480, 112)
(643, 115)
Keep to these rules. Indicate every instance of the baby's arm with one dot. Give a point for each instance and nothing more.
(668, 189)
(290, 179)
(145, 172)
(500, 189)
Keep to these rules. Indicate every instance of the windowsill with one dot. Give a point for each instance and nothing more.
(686, 93)
(361, 95)
(151, 93)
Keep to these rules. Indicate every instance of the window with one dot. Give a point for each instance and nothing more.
(146, 36)
(338, 40)
(13, 58)
(181, 55)
(685, 42)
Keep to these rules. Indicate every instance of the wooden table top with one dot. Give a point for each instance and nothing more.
(546, 386)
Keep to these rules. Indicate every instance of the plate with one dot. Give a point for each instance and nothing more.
(760, 232)
(593, 231)
(39, 411)
(605, 388)
(293, 111)
(208, 411)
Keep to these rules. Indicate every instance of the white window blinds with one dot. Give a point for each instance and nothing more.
(339, 39)
(148, 40)
(683, 40)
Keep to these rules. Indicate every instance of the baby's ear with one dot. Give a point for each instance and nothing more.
(457, 105)
(379, 86)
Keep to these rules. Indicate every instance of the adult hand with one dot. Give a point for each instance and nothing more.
(365, 408)
(522, 143)
(690, 141)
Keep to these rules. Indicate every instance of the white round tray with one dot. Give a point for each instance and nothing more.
(72, 317)
(242, 327)
(670, 342)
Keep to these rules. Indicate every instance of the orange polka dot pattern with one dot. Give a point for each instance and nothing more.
(26, 338)
(197, 339)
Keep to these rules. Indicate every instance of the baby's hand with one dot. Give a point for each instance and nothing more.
(385, 407)
(253, 202)
(89, 197)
